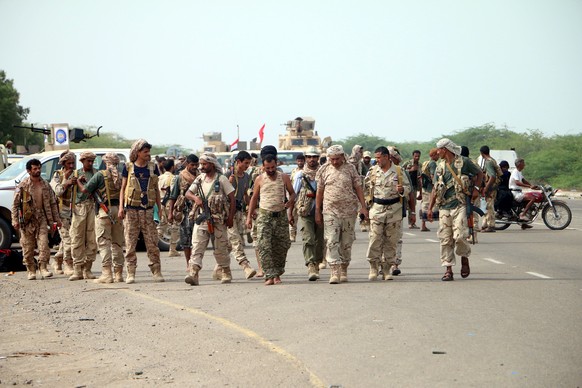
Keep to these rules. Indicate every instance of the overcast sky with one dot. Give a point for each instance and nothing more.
(404, 70)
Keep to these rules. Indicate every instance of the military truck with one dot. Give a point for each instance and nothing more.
(301, 136)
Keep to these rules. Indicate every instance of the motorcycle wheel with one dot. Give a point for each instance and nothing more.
(563, 218)
(501, 226)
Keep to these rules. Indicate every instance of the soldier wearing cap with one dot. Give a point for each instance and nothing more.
(367, 160)
(83, 242)
(339, 194)
(106, 184)
(64, 184)
(305, 186)
(451, 185)
(139, 193)
(388, 186)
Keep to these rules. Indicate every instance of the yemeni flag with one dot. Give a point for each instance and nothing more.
(234, 145)
(261, 134)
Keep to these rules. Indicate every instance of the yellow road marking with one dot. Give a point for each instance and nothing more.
(315, 381)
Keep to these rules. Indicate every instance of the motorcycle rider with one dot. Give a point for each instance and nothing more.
(517, 182)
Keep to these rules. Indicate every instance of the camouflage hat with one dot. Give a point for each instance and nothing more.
(367, 154)
(111, 158)
(66, 157)
(313, 151)
(87, 155)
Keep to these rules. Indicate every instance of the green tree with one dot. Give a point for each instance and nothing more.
(11, 113)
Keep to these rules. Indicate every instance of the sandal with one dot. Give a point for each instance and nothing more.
(465, 269)
(425, 229)
(448, 277)
(269, 282)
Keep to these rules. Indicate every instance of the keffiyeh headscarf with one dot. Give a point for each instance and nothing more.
(87, 155)
(66, 156)
(136, 147)
(209, 157)
(111, 160)
(335, 150)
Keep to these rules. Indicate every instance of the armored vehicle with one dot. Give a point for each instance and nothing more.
(301, 136)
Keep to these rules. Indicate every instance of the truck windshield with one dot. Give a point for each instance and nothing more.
(14, 170)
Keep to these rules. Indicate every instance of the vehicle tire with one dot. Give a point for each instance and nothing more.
(563, 219)
(501, 226)
(5, 234)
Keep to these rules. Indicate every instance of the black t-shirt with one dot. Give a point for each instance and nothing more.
(143, 176)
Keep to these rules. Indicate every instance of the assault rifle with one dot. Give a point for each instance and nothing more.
(20, 207)
(206, 214)
(101, 204)
(470, 209)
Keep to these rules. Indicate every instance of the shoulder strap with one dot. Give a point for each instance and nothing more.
(455, 176)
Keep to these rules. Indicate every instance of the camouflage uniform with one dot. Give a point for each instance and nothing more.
(491, 169)
(216, 193)
(385, 216)
(110, 236)
(182, 207)
(340, 208)
(66, 199)
(293, 228)
(168, 180)
(451, 200)
(83, 241)
(273, 226)
(37, 219)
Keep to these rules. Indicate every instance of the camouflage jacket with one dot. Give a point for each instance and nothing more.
(30, 211)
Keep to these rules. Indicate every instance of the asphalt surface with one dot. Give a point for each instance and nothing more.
(516, 321)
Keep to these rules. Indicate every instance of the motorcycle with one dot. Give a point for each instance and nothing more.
(555, 213)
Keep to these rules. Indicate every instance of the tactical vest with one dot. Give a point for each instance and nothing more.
(109, 190)
(71, 192)
(133, 193)
(217, 202)
(305, 197)
(461, 189)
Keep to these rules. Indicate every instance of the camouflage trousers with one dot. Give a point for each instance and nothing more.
(384, 239)
(33, 235)
(82, 231)
(312, 240)
(136, 221)
(453, 232)
(65, 232)
(235, 237)
(293, 228)
(489, 218)
(339, 235)
(164, 227)
(424, 204)
(273, 242)
(200, 240)
(186, 228)
(110, 238)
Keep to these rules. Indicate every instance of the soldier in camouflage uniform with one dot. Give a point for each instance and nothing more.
(389, 187)
(64, 184)
(109, 229)
(254, 172)
(493, 175)
(213, 196)
(426, 175)
(166, 183)
(83, 241)
(179, 206)
(34, 210)
(272, 222)
(305, 186)
(339, 194)
(450, 193)
(300, 160)
(413, 169)
(139, 194)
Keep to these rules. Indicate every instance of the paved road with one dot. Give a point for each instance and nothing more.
(516, 321)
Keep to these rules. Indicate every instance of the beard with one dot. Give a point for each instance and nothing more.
(271, 173)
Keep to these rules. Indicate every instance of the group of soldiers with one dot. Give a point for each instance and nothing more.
(201, 204)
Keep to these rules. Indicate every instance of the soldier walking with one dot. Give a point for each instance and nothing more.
(300, 160)
(213, 195)
(83, 241)
(339, 194)
(272, 221)
(139, 193)
(106, 186)
(426, 176)
(64, 184)
(389, 188)
(306, 187)
(34, 210)
(493, 175)
(179, 206)
(166, 183)
(240, 180)
(450, 195)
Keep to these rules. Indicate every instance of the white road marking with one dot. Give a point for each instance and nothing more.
(431, 240)
(493, 261)
(539, 275)
(410, 234)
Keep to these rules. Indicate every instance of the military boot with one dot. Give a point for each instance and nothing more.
(226, 275)
(118, 271)
(58, 265)
(249, 271)
(323, 264)
(157, 273)
(293, 235)
(106, 275)
(335, 274)
(44, 272)
(87, 274)
(31, 272)
(130, 279)
(68, 268)
(217, 273)
(386, 271)
(373, 271)
(77, 272)
(312, 274)
(173, 252)
(344, 272)
(192, 278)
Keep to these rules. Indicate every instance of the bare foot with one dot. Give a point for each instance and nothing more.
(269, 282)
(277, 280)
(260, 274)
